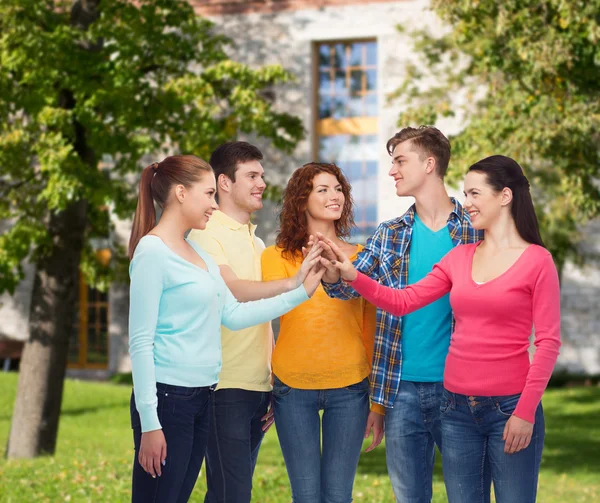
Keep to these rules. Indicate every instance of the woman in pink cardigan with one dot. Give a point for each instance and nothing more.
(500, 288)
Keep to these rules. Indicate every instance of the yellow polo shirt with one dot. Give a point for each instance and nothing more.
(246, 353)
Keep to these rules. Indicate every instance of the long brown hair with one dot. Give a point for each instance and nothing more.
(293, 227)
(155, 185)
(502, 171)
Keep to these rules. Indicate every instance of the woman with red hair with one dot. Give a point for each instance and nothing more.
(322, 358)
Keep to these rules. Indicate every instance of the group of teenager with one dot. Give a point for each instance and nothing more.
(423, 333)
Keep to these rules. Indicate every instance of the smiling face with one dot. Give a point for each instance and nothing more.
(326, 200)
(410, 168)
(198, 201)
(249, 185)
(483, 204)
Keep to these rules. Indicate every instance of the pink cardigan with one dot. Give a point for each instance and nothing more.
(489, 348)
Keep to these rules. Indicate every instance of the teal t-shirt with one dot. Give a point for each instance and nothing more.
(426, 332)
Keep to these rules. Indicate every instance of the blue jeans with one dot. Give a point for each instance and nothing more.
(412, 430)
(317, 476)
(233, 443)
(183, 415)
(472, 429)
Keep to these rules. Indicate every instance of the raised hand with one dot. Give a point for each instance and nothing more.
(313, 279)
(341, 261)
(311, 257)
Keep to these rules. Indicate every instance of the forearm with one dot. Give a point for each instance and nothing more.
(239, 315)
(247, 291)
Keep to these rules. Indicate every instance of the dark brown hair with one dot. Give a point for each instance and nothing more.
(155, 185)
(500, 172)
(428, 141)
(226, 157)
(293, 227)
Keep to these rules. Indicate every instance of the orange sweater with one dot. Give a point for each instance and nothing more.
(323, 343)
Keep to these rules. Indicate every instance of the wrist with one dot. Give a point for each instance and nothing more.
(292, 283)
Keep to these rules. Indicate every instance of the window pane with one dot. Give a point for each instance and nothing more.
(324, 55)
(356, 107)
(371, 80)
(356, 54)
(340, 56)
(371, 53)
(371, 105)
(325, 81)
(356, 81)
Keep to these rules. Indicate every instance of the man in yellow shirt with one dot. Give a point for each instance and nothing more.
(241, 404)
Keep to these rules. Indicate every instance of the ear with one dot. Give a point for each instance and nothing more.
(506, 196)
(180, 193)
(224, 183)
(430, 165)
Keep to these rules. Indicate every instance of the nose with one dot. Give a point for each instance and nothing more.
(393, 171)
(262, 184)
(215, 205)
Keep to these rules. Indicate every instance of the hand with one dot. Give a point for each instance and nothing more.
(268, 418)
(153, 452)
(313, 280)
(327, 251)
(311, 257)
(341, 262)
(376, 424)
(517, 434)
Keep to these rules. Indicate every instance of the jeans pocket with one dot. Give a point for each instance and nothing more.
(279, 388)
(506, 405)
(361, 387)
(175, 392)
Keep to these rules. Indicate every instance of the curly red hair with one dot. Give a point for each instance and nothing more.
(293, 227)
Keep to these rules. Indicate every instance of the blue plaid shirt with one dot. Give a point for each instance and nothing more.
(385, 259)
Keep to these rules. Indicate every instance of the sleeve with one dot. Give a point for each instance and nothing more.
(210, 244)
(367, 263)
(546, 322)
(272, 265)
(238, 315)
(400, 302)
(144, 299)
(368, 334)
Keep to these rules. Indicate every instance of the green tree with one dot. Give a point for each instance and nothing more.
(523, 76)
(84, 79)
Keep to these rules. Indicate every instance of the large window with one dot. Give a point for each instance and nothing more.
(346, 126)
(88, 347)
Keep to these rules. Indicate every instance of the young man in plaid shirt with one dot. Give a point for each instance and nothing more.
(409, 356)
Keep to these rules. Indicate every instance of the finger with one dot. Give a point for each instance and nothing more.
(329, 266)
(514, 440)
(521, 443)
(377, 438)
(527, 441)
(268, 415)
(163, 457)
(304, 252)
(508, 442)
(156, 463)
(505, 432)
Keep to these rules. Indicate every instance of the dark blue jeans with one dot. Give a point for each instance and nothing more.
(233, 444)
(412, 430)
(472, 429)
(183, 414)
(317, 476)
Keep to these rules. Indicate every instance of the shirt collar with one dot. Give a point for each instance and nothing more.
(458, 212)
(231, 223)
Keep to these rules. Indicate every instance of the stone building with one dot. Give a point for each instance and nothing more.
(347, 56)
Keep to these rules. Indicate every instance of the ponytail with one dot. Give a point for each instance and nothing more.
(156, 183)
(145, 214)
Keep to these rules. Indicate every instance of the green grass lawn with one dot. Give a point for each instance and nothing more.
(95, 449)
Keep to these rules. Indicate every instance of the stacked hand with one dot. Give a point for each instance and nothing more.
(333, 259)
(311, 271)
